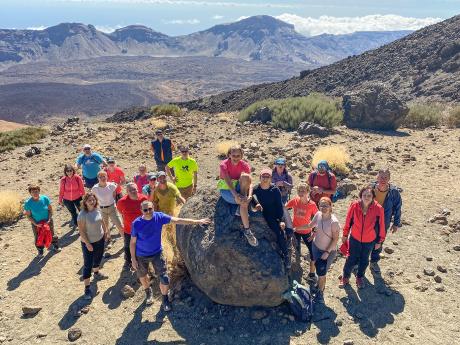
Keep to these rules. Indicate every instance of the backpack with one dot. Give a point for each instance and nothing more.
(300, 300)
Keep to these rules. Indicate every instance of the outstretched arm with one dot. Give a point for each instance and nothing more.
(186, 221)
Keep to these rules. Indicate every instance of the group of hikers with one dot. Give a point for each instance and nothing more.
(96, 199)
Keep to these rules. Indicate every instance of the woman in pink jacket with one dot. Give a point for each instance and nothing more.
(71, 191)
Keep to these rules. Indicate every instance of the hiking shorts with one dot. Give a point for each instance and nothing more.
(186, 192)
(322, 266)
(227, 195)
(158, 263)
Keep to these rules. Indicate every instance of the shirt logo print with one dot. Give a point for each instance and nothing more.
(185, 168)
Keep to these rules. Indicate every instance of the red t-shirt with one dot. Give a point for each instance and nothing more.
(234, 171)
(323, 182)
(303, 213)
(130, 209)
(141, 181)
(115, 176)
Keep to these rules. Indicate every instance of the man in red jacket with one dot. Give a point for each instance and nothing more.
(365, 230)
(129, 207)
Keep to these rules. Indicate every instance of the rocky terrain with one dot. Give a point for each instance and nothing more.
(413, 301)
(424, 65)
(258, 38)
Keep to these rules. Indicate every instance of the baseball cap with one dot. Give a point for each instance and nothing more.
(280, 161)
(266, 171)
(152, 176)
(184, 148)
(161, 173)
(110, 160)
(158, 131)
(86, 146)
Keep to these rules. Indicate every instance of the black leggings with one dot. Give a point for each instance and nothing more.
(127, 240)
(92, 259)
(274, 224)
(308, 243)
(359, 255)
(73, 206)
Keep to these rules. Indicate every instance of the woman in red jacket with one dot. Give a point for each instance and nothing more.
(366, 224)
(71, 191)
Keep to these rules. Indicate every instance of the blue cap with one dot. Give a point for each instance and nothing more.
(324, 164)
(280, 161)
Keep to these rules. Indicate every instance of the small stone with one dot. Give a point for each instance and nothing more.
(40, 335)
(437, 279)
(407, 328)
(412, 335)
(359, 315)
(429, 258)
(258, 314)
(339, 323)
(291, 318)
(348, 342)
(457, 248)
(221, 328)
(428, 272)
(30, 311)
(395, 243)
(266, 321)
(74, 334)
(441, 269)
(85, 309)
(127, 291)
(440, 288)
(389, 250)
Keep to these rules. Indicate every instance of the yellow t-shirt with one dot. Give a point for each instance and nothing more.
(380, 196)
(166, 199)
(184, 170)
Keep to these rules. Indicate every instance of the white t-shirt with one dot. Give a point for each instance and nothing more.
(324, 230)
(105, 194)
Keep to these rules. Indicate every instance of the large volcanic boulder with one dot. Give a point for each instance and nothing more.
(220, 260)
(373, 106)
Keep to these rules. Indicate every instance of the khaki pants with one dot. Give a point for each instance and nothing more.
(111, 212)
(186, 192)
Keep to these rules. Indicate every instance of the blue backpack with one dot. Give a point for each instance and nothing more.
(301, 301)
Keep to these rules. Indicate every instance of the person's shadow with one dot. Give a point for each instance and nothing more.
(68, 238)
(33, 269)
(373, 307)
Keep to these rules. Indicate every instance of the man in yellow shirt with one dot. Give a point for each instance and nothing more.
(185, 172)
(166, 195)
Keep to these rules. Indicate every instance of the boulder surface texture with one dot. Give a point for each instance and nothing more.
(222, 263)
(373, 106)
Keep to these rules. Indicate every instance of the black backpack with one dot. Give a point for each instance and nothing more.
(301, 301)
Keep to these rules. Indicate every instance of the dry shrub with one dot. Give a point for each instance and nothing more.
(222, 147)
(453, 118)
(10, 207)
(159, 124)
(21, 137)
(225, 117)
(336, 156)
(423, 115)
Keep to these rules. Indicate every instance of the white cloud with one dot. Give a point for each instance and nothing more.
(107, 28)
(193, 21)
(217, 17)
(193, 2)
(41, 27)
(343, 25)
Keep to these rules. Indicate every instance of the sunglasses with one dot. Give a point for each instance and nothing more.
(132, 191)
(323, 205)
(150, 209)
(265, 176)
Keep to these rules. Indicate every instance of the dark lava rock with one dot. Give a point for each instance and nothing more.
(132, 114)
(74, 334)
(308, 128)
(263, 115)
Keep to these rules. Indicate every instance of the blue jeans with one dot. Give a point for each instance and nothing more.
(359, 255)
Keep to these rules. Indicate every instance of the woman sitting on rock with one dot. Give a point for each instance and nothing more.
(236, 188)
(93, 232)
(71, 191)
(282, 179)
(364, 217)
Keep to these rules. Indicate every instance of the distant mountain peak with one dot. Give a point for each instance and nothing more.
(139, 33)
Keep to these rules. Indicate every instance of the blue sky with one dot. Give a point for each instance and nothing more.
(176, 17)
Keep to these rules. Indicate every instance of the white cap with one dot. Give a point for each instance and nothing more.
(86, 146)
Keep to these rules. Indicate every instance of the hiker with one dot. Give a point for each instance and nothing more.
(388, 196)
(365, 219)
(166, 195)
(71, 191)
(185, 172)
(267, 198)
(129, 207)
(90, 163)
(93, 234)
(148, 189)
(146, 248)
(162, 149)
(106, 193)
(236, 188)
(142, 178)
(115, 174)
(282, 179)
(304, 210)
(324, 244)
(322, 182)
(39, 211)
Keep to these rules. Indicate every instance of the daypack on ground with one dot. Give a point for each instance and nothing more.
(300, 300)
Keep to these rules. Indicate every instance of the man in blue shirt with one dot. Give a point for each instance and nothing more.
(90, 163)
(145, 247)
(39, 211)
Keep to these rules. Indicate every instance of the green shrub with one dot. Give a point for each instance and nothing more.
(21, 137)
(453, 118)
(288, 113)
(165, 109)
(423, 115)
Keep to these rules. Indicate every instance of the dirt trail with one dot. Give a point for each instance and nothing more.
(401, 306)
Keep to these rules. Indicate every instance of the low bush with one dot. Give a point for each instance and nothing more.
(453, 118)
(10, 207)
(159, 124)
(21, 137)
(336, 156)
(423, 115)
(223, 147)
(288, 113)
(165, 109)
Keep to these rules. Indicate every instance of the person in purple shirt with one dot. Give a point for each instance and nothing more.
(282, 179)
(145, 247)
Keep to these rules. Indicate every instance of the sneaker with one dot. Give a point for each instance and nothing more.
(148, 296)
(87, 296)
(312, 278)
(343, 282)
(166, 305)
(100, 276)
(55, 248)
(360, 283)
(40, 253)
(375, 267)
(252, 240)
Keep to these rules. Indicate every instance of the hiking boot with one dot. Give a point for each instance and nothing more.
(375, 267)
(148, 296)
(252, 240)
(87, 296)
(55, 248)
(312, 278)
(343, 282)
(100, 276)
(166, 305)
(360, 283)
